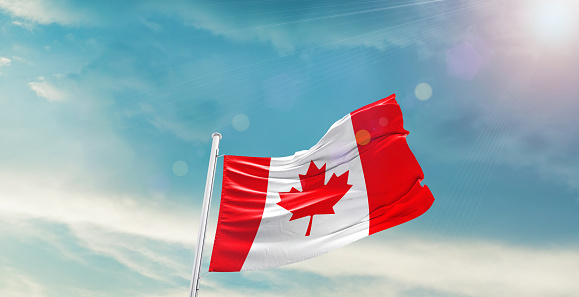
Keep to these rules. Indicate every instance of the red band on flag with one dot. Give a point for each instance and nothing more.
(243, 196)
(391, 171)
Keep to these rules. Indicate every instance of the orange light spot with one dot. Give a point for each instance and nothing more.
(362, 137)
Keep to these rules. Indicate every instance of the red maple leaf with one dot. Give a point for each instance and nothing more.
(315, 197)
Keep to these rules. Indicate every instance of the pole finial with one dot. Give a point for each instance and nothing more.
(216, 134)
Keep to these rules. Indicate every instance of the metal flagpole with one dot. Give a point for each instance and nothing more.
(194, 287)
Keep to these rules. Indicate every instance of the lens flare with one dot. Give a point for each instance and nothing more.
(554, 21)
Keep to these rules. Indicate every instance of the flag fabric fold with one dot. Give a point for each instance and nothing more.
(359, 179)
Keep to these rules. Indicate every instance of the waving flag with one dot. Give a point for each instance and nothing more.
(359, 179)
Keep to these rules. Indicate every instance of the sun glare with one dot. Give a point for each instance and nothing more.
(555, 21)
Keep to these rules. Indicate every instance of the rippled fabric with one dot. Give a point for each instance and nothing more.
(359, 179)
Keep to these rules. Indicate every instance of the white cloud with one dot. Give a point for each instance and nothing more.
(22, 60)
(216, 290)
(457, 268)
(340, 25)
(349, 26)
(25, 25)
(406, 267)
(53, 200)
(46, 90)
(145, 235)
(4, 61)
(14, 284)
(151, 237)
(140, 254)
(44, 12)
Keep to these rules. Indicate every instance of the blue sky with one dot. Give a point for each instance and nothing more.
(107, 110)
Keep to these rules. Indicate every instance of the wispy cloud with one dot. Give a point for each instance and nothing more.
(286, 27)
(152, 238)
(24, 24)
(52, 200)
(46, 90)
(299, 26)
(15, 284)
(4, 62)
(458, 268)
(44, 12)
(142, 254)
(22, 60)
(400, 266)
(409, 265)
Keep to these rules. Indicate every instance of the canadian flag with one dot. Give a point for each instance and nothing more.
(359, 179)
